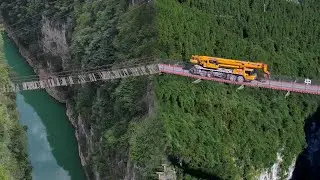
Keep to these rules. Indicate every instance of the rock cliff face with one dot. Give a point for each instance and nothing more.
(54, 46)
(54, 42)
(273, 173)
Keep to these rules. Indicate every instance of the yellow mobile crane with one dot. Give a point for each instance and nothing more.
(234, 70)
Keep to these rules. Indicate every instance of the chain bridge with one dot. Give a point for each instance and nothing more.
(282, 83)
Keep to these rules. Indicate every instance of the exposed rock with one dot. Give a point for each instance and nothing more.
(78, 133)
(130, 174)
(39, 69)
(290, 171)
(54, 40)
(273, 173)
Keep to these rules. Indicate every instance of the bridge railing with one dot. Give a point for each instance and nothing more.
(285, 83)
(83, 77)
(299, 80)
(122, 70)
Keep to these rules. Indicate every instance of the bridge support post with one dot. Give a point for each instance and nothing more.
(196, 81)
(240, 88)
(287, 94)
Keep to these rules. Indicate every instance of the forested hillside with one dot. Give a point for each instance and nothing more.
(211, 126)
(117, 105)
(208, 127)
(13, 157)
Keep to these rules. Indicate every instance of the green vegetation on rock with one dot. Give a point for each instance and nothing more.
(210, 127)
(13, 157)
(112, 32)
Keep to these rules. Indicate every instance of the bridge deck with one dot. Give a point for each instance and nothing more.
(109, 74)
(277, 85)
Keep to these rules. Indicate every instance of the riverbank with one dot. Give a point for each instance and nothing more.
(13, 154)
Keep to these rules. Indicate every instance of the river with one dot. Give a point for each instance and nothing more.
(52, 146)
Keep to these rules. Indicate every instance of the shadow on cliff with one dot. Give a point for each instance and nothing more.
(197, 173)
(307, 165)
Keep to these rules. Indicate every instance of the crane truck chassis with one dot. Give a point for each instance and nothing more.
(229, 69)
(219, 73)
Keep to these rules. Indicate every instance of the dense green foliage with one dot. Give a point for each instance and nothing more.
(13, 157)
(112, 32)
(211, 126)
(285, 36)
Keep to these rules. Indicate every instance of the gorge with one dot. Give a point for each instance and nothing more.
(127, 128)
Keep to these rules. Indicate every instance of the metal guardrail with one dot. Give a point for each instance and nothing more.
(299, 80)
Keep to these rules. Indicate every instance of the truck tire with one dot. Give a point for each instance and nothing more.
(203, 73)
(227, 77)
(209, 74)
(240, 79)
(233, 78)
(192, 71)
